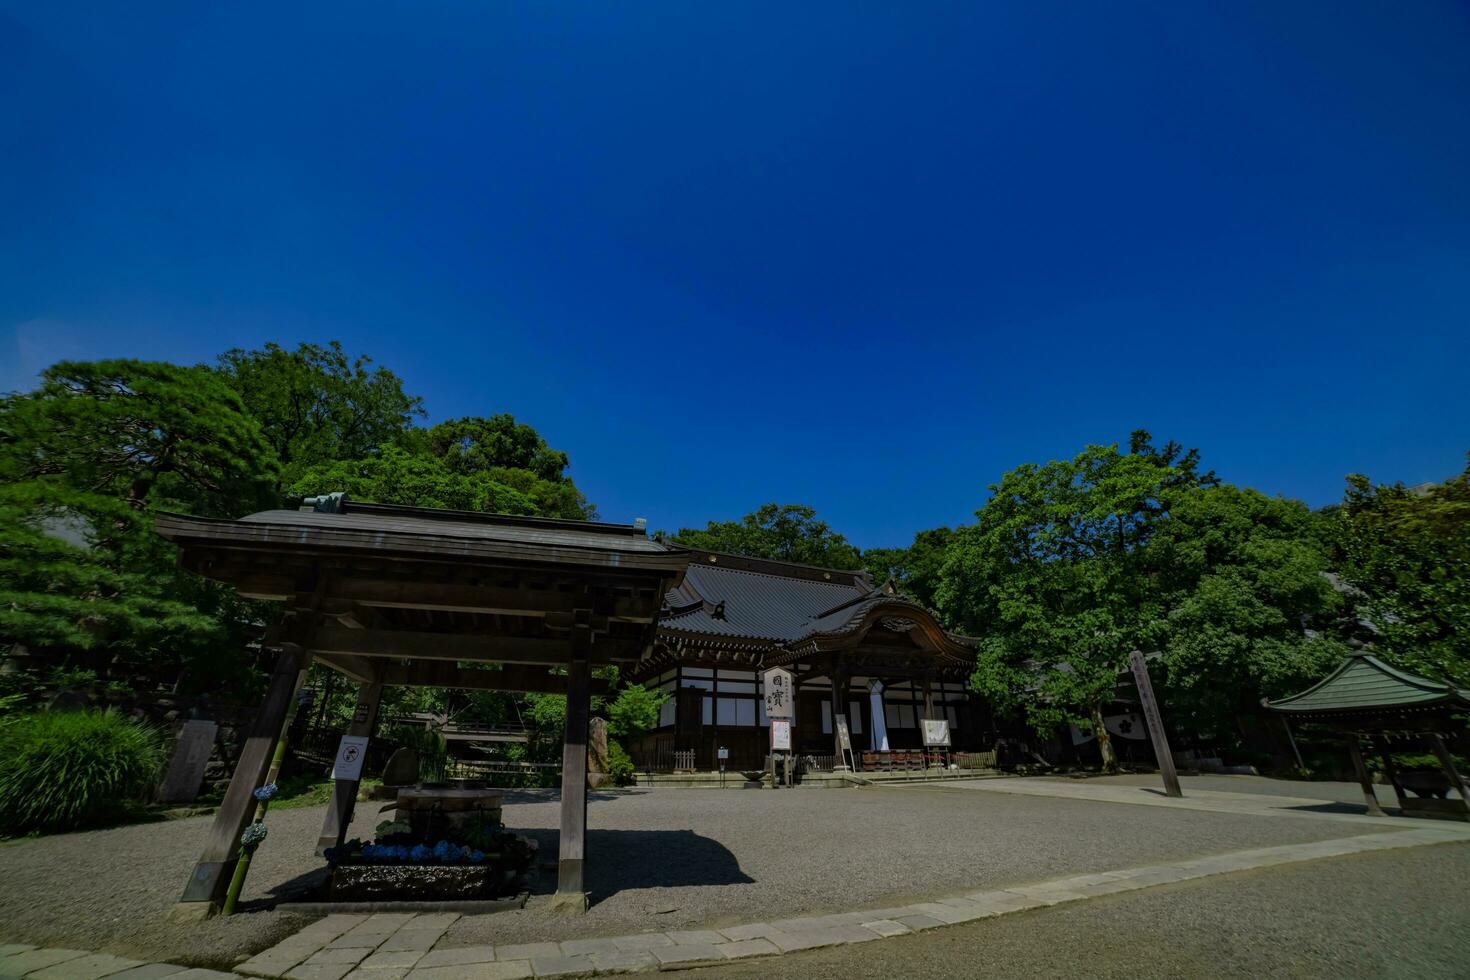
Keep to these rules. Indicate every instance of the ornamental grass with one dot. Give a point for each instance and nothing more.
(71, 770)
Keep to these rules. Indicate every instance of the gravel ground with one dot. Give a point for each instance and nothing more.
(110, 890)
(657, 859)
(685, 858)
(1399, 914)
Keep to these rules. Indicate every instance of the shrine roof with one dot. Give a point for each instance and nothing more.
(1362, 683)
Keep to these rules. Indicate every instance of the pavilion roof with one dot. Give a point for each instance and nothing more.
(1363, 684)
(391, 531)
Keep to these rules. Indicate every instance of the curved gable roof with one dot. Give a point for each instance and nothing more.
(1363, 683)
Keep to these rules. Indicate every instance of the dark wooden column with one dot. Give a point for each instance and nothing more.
(1390, 770)
(571, 892)
(1448, 761)
(838, 676)
(344, 791)
(1366, 781)
(205, 891)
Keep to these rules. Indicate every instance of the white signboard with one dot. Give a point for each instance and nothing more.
(724, 753)
(351, 753)
(936, 731)
(780, 735)
(780, 693)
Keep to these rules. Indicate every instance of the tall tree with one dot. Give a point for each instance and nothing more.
(914, 569)
(85, 460)
(1249, 609)
(784, 532)
(1053, 579)
(316, 405)
(1407, 551)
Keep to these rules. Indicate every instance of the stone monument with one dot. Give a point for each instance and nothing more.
(191, 756)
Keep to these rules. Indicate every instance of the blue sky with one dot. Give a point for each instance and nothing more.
(862, 256)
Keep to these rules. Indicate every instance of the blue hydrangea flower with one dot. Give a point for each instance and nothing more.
(253, 835)
(419, 853)
(265, 792)
(476, 856)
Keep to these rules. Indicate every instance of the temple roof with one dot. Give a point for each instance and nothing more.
(1362, 683)
(736, 600)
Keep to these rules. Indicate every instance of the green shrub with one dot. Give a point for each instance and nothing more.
(619, 764)
(63, 771)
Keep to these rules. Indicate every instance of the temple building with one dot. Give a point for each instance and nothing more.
(855, 648)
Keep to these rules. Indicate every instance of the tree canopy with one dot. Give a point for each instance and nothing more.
(1407, 553)
(86, 459)
(316, 405)
(1052, 579)
(914, 569)
(783, 532)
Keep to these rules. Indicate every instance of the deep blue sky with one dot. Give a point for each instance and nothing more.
(863, 256)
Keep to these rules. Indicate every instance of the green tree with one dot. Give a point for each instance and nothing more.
(511, 453)
(85, 460)
(916, 568)
(395, 476)
(783, 532)
(1408, 552)
(316, 405)
(1053, 579)
(1249, 609)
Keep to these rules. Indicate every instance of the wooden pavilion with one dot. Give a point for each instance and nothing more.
(1366, 701)
(419, 597)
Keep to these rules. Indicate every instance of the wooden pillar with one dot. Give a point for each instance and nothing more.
(838, 676)
(1366, 781)
(571, 891)
(205, 891)
(344, 791)
(1448, 761)
(928, 685)
(1390, 770)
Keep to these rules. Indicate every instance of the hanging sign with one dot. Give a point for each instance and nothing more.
(936, 731)
(724, 753)
(351, 753)
(780, 735)
(780, 692)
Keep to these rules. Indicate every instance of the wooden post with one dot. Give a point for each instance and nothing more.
(1155, 724)
(205, 891)
(1391, 771)
(1448, 761)
(839, 708)
(571, 891)
(344, 791)
(1366, 781)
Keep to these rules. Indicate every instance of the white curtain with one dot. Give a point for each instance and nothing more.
(880, 724)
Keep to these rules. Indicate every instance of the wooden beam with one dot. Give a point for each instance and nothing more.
(442, 674)
(205, 891)
(571, 891)
(361, 669)
(448, 597)
(1364, 780)
(413, 645)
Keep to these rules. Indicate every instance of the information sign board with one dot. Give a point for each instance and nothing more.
(936, 731)
(780, 735)
(351, 753)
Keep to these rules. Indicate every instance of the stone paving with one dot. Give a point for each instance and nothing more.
(1214, 801)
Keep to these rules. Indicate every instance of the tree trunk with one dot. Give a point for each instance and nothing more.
(1104, 741)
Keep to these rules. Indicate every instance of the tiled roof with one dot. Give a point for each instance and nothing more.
(1365, 683)
(729, 598)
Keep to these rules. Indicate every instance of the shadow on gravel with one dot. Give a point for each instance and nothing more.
(628, 860)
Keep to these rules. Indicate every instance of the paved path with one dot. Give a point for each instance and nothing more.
(1210, 800)
(1378, 915)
